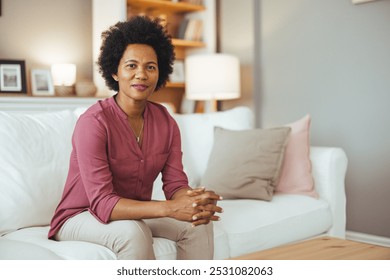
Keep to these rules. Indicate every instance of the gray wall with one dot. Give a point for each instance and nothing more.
(331, 59)
(236, 38)
(43, 32)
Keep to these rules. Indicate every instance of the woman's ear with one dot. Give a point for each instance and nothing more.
(115, 77)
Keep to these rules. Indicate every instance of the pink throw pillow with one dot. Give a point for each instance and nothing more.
(295, 177)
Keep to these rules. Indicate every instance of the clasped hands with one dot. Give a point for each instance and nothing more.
(197, 206)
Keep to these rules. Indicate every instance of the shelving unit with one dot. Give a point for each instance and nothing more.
(107, 13)
(173, 13)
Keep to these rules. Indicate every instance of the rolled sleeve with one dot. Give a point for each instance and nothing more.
(90, 145)
(173, 176)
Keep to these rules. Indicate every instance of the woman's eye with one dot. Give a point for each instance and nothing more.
(132, 66)
(152, 67)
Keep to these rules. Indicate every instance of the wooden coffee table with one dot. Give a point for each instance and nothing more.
(323, 248)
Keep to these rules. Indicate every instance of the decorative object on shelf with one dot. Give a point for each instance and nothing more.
(12, 76)
(64, 78)
(212, 77)
(85, 89)
(177, 75)
(41, 82)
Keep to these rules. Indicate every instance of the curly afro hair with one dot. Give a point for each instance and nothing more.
(137, 30)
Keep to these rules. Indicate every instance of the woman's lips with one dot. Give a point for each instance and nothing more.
(140, 87)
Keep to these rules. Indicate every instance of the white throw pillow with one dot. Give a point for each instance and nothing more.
(34, 161)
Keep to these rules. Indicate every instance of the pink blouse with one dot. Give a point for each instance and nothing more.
(107, 164)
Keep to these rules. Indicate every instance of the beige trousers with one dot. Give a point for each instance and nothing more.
(133, 239)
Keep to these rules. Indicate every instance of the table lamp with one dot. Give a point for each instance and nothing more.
(64, 78)
(213, 77)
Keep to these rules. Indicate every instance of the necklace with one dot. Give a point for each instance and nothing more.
(140, 132)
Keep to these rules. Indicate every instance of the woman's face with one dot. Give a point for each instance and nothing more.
(137, 74)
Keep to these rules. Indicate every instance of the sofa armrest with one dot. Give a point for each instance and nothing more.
(329, 166)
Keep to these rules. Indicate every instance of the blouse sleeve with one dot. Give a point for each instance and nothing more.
(173, 175)
(90, 144)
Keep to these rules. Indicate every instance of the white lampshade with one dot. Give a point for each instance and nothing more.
(64, 74)
(213, 76)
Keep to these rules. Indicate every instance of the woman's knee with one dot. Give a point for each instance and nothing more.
(203, 232)
(197, 243)
(132, 240)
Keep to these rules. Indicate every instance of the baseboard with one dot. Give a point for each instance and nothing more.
(368, 238)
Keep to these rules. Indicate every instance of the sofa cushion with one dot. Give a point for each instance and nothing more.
(70, 250)
(246, 163)
(253, 225)
(197, 134)
(34, 159)
(20, 250)
(296, 174)
(36, 237)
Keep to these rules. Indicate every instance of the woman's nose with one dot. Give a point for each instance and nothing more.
(141, 74)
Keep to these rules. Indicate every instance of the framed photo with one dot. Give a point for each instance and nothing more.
(12, 76)
(177, 75)
(42, 82)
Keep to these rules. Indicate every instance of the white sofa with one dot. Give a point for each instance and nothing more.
(34, 154)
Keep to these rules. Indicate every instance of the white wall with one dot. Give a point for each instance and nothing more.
(331, 59)
(43, 32)
(236, 36)
(104, 14)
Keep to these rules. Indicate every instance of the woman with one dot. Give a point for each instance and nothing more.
(120, 145)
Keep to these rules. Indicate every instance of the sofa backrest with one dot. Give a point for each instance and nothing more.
(197, 134)
(34, 159)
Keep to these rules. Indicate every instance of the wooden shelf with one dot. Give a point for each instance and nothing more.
(175, 85)
(164, 5)
(186, 43)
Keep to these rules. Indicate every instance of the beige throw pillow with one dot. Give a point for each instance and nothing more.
(246, 163)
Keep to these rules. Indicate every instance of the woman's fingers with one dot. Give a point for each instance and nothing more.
(202, 207)
(203, 193)
(207, 214)
(197, 191)
(208, 197)
(210, 207)
(205, 221)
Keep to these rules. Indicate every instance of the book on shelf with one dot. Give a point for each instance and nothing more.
(191, 30)
(193, 2)
(182, 28)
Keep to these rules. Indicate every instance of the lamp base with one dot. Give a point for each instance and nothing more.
(64, 90)
(206, 106)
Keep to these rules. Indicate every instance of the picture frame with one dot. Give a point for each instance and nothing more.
(177, 75)
(12, 76)
(42, 82)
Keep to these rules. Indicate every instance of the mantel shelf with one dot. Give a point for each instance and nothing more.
(39, 104)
